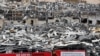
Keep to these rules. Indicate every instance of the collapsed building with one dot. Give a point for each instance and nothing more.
(48, 25)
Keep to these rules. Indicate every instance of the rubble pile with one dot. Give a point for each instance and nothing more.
(46, 38)
(61, 34)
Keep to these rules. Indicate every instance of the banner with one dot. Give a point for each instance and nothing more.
(75, 53)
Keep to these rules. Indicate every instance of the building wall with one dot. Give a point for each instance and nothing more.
(73, 1)
(51, 0)
(93, 1)
(94, 19)
(1, 23)
(28, 21)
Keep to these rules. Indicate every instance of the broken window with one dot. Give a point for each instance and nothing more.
(50, 17)
(24, 21)
(14, 15)
(57, 21)
(84, 20)
(98, 21)
(32, 22)
(0, 27)
(90, 21)
(75, 17)
(41, 18)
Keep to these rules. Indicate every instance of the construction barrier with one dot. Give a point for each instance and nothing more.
(7, 54)
(70, 53)
(57, 52)
(23, 54)
(42, 54)
(17, 54)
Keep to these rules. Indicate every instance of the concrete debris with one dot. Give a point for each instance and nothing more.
(73, 27)
(46, 38)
